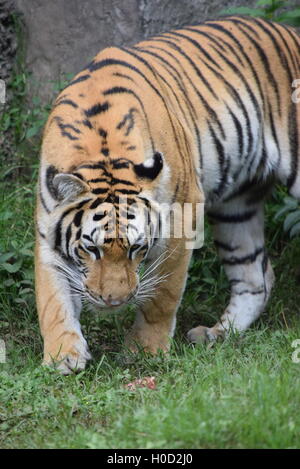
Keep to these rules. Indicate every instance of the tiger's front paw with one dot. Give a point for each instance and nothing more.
(68, 359)
(204, 335)
(150, 343)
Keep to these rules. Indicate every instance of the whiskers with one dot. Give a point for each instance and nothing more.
(73, 276)
(150, 280)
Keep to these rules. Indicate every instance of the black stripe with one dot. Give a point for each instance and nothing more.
(123, 75)
(77, 218)
(294, 144)
(41, 234)
(239, 131)
(223, 163)
(265, 262)
(102, 133)
(97, 109)
(235, 281)
(225, 246)
(235, 218)
(68, 237)
(127, 191)
(78, 80)
(97, 180)
(146, 202)
(78, 175)
(70, 126)
(99, 216)
(99, 190)
(128, 117)
(115, 181)
(175, 193)
(50, 173)
(249, 259)
(87, 123)
(249, 292)
(78, 147)
(57, 242)
(96, 203)
(120, 163)
(63, 126)
(68, 102)
(43, 202)
(100, 165)
(274, 133)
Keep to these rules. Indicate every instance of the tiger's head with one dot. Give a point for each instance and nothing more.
(104, 224)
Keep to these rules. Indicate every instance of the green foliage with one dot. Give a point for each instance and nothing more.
(20, 129)
(282, 11)
(291, 210)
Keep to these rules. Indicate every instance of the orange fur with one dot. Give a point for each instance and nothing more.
(215, 101)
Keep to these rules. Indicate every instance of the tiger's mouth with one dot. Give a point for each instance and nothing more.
(100, 303)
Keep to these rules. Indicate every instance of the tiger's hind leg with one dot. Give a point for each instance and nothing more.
(238, 227)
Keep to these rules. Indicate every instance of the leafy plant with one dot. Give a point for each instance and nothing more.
(291, 210)
(270, 9)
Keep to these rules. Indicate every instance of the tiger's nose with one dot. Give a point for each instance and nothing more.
(110, 301)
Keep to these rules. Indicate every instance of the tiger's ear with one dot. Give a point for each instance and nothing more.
(151, 168)
(69, 186)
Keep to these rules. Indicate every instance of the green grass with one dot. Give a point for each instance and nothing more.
(240, 394)
(243, 393)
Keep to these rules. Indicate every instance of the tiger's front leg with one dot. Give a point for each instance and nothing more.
(155, 322)
(58, 310)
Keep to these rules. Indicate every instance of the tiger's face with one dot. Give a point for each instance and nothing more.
(103, 230)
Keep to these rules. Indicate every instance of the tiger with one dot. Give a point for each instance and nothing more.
(203, 114)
